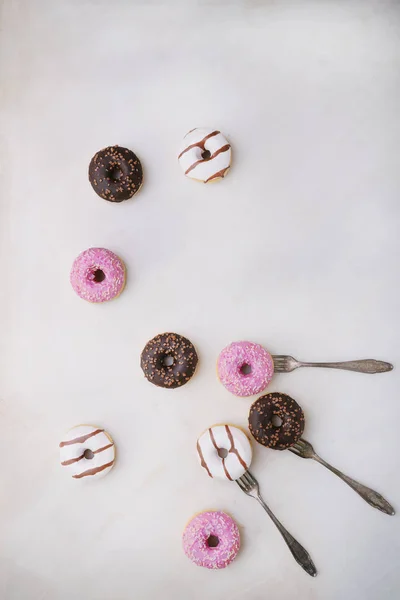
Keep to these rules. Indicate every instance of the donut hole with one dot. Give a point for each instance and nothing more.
(222, 452)
(276, 421)
(245, 369)
(168, 360)
(114, 173)
(205, 155)
(88, 454)
(98, 276)
(212, 541)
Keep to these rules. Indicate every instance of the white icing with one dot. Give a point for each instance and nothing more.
(100, 444)
(231, 465)
(208, 167)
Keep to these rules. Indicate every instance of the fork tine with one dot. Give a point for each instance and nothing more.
(299, 444)
(241, 483)
(278, 359)
(303, 449)
(247, 481)
(284, 363)
(250, 479)
(279, 363)
(295, 450)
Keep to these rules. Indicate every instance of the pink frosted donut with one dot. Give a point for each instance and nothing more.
(245, 368)
(98, 275)
(211, 539)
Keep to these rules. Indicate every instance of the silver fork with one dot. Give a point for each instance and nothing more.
(305, 450)
(249, 485)
(286, 364)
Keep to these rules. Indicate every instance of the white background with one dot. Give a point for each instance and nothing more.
(295, 249)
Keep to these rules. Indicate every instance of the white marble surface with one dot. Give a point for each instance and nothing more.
(296, 249)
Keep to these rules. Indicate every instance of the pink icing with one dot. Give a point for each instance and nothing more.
(234, 357)
(98, 275)
(196, 540)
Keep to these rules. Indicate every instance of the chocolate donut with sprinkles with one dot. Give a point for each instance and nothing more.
(169, 360)
(115, 173)
(276, 421)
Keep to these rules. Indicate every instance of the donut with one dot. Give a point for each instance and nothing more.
(87, 451)
(276, 421)
(224, 452)
(98, 275)
(205, 155)
(211, 539)
(245, 368)
(169, 360)
(115, 173)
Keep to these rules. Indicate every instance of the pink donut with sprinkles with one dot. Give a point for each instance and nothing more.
(211, 540)
(245, 368)
(98, 275)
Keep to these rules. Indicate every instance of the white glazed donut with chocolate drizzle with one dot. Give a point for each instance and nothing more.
(87, 451)
(205, 155)
(224, 452)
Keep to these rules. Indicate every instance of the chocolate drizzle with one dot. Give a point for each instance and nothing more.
(103, 448)
(220, 173)
(234, 449)
(81, 439)
(199, 144)
(71, 461)
(218, 449)
(202, 461)
(204, 160)
(93, 471)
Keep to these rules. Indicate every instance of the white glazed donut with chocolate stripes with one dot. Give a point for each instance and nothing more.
(224, 452)
(205, 155)
(87, 451)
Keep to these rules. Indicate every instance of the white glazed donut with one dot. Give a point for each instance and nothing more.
(87, 451)
(205, 155)
(224, 452)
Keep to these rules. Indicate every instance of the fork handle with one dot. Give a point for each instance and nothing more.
(366, 365)
(373, 498)
(299, 553)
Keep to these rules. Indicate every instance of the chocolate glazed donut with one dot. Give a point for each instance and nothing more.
(276, 421)
(115, 173)
(169, 360)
